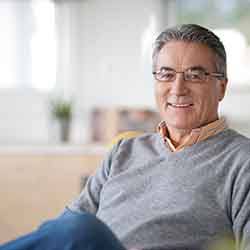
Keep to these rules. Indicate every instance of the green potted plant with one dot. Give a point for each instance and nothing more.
(61, 110)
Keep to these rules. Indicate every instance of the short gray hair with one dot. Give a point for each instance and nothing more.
(197, 34)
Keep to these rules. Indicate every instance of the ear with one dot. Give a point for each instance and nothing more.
(223, 87)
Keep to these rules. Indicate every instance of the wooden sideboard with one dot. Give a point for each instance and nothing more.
(37, 182)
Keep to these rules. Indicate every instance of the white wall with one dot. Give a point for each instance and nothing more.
(109, 55)
(103, 60)
(23, 115)
(105, 53)
(235, 107)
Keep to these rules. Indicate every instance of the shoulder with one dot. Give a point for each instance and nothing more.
(239, 174)
(134, 144)
(238, 143)
(236, 152)
(140, 142)
(135, 151)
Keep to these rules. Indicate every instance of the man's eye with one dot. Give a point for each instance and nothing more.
(168, 75)
(196, 75)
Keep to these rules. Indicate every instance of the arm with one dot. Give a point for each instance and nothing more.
(241, 207)
(88, 200)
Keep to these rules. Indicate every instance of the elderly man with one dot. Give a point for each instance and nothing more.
(185, 186)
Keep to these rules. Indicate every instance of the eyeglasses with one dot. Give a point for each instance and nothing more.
(195, 74)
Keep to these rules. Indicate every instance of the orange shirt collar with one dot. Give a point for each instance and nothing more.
(196, 135)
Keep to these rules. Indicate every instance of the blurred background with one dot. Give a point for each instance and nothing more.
(74, 73)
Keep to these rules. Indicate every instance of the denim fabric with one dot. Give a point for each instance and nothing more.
(70, 231)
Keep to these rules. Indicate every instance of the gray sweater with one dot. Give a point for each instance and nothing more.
(155, 199)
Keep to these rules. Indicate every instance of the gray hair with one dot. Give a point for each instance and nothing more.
(197, 34)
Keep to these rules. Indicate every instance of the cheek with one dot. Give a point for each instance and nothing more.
(207, 102)
(158, 96)
(160, 93)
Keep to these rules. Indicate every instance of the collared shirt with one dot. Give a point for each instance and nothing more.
(196, 135)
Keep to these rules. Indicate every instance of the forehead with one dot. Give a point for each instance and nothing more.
(181, 55)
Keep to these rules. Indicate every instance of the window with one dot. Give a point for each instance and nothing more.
(27, 45)
(7, 45)
(229, 19)
(43, 46)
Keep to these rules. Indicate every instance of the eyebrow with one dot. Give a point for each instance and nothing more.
(166, 68)
(196, 67)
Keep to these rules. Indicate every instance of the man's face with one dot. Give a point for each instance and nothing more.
(185, 105)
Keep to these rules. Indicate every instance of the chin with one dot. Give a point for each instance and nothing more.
(180, 121)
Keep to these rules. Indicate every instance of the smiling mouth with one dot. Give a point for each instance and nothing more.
(184, 105)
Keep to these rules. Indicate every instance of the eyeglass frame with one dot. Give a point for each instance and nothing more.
(206, 73)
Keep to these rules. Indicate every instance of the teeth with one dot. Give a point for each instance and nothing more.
(180, 105)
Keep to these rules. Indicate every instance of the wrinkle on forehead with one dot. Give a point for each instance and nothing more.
(181, 55)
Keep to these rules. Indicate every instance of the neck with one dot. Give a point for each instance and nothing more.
(178, 136)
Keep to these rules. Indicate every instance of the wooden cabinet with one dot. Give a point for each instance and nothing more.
(36, 186)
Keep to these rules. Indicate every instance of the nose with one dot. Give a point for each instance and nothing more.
(178, 86)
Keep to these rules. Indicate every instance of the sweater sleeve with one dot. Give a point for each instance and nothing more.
(88, 200)
(241, 207)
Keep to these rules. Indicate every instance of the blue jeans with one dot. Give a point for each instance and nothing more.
(70, 231)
